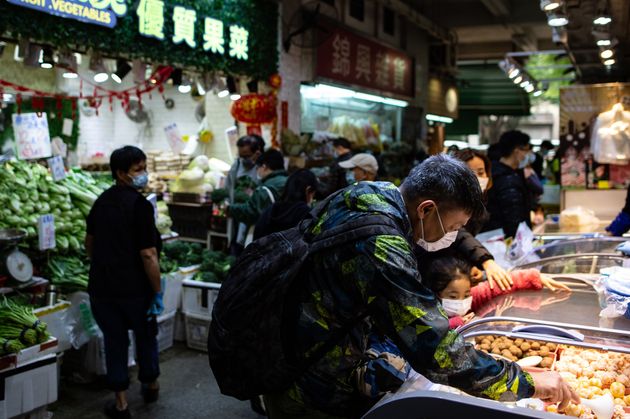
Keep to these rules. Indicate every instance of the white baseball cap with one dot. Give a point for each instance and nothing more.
(363, 161)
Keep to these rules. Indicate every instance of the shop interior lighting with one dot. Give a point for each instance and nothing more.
(607, 53)
(46, 59)
(557, 19)
(98, 67)
(604, 43)
(518, 80)
(122, 69)
(602, 19)
(223, 93)
(549, 5)
(538, 92)
(514, 72)
(7, 97)
(324, 91)
(529, 88)
(200, 88)
(219, 86)
(185, 86)
(69, 61)
(609, 62)
(524, 84)
(235, 96)
(231, 87)
(438, 118)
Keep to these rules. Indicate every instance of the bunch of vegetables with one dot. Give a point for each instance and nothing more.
(179, 253)
(19, 327)
(69, 273)
(27, 192)
(163, 222)
(214, 266)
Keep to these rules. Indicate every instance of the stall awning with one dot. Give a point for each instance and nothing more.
(485, 90)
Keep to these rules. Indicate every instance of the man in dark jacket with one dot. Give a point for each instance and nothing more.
(337, 174)
(509, 199)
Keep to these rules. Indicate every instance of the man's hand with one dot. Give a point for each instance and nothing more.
(550, 387)
(498, 275)
(507, 303)
(552, 284)
(476, 275)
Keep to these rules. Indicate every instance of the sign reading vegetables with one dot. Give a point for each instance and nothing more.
(32, 137)
(98, 12)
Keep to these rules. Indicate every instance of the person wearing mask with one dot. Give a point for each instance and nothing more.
(124, 281)
(621, 223)
(272, 177)
(294, 206)
(449, 278)
(379, 276)
(337, 175)
(509, 199)
(362, 167)
(250, 147)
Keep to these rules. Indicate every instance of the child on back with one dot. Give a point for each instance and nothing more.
(449, 278)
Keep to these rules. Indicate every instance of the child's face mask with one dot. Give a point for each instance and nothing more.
(457, 307)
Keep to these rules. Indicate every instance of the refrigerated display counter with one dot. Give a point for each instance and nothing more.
(576, 246)
(550, 231)
(569, 322)
(583, 263)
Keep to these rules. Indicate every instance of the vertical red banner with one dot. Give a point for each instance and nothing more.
(284, 111)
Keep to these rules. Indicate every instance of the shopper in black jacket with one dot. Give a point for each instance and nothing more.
(337, 174)
(292, 208)
(509, 200)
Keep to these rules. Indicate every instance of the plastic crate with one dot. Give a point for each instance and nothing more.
(197, 328)
(172, 286)
(166, 331)
(198, 297)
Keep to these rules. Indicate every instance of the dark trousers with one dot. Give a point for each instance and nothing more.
(116, 317)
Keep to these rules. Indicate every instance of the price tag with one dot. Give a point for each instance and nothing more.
(174, 138)
(57, 168)
(46, 232)
(32, 137)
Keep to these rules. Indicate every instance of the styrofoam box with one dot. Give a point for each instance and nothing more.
(55, 317)
(198, 297)
(166, 330)
(197, 328)
(179, 334)
(172, 285)
(29, 386)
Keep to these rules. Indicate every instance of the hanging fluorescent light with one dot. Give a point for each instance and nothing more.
(68, 60)
(235, 96)
(529, 88)
(98, 67)
(185, 86)
(7, 97)
(438, 118)
(609, 62)
(46, 59)
(525, 83)
(538, 93)
(223, 93)
(604, 43)
(518, 80)
(557, 19)
(607, 53)
(602, 19)
(122, 69)
(325, 91)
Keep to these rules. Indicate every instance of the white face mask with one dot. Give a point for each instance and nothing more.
(446, 240)
(483, 182)
(457, 307)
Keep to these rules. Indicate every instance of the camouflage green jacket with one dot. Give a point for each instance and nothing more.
(380, 273)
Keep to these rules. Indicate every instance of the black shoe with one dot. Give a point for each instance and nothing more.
(150, 395)
(111, 411)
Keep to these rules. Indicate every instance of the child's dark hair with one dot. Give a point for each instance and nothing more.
(442, 270)
(295, 189)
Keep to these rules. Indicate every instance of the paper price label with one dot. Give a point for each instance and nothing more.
(32, 137)
(174, 138)
(57, 168)
(46, 232)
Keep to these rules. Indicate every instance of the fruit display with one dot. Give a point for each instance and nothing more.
(592, 374)
(516, 349)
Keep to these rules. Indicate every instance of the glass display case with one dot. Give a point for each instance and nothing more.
(583, 263)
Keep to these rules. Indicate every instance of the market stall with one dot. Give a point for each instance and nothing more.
(563, 333)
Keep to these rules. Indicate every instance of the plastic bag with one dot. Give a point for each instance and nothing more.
(80, 325)
(613, 287)
(577, 217)
(523, 243)
(494, 242)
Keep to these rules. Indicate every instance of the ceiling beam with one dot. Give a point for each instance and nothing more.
(497, 7)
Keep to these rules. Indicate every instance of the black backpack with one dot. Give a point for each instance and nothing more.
(250, 337)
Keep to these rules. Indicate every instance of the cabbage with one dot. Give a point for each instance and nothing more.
(214, 178)
(200, 162)
(192, 177)
(217, 165)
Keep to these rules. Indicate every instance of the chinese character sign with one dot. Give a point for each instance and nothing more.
(57, 168)
(184, 26)
(348, 58)
(213, 39)
(32, 137)
(46, 231)
(151, 18)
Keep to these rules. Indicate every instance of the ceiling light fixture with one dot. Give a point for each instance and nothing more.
(235, 96)
(529, 88)
(549, 5)
(602, 19)
(514, 72)
(122, 69)
(98, 67)
(538, 93)
(525, 83)
(557, 19)
(46, 59)
(604, 43)
(518, 80)
(223, 93)
(609, 62)
(607, 53)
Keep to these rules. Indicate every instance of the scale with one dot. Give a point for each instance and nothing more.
(14, 263)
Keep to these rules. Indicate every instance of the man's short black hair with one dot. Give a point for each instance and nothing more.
(342, 142)
(254, 142)
(448, 182)
(510, 140)
(547, 145)
(272, 158)
(125, 157)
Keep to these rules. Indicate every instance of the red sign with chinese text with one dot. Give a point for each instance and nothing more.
(352, 59)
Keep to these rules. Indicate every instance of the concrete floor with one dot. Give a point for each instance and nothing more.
(188, 390)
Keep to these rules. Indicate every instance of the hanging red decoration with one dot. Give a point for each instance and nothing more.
(74, 109)
(254, 109)
(37, 104)
(59, 106)
(18, 102)
(275, 81)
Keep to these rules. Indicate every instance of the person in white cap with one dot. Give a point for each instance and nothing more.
(364, 168)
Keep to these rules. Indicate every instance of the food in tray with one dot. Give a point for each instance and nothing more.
(593, 374)
(516, 349)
